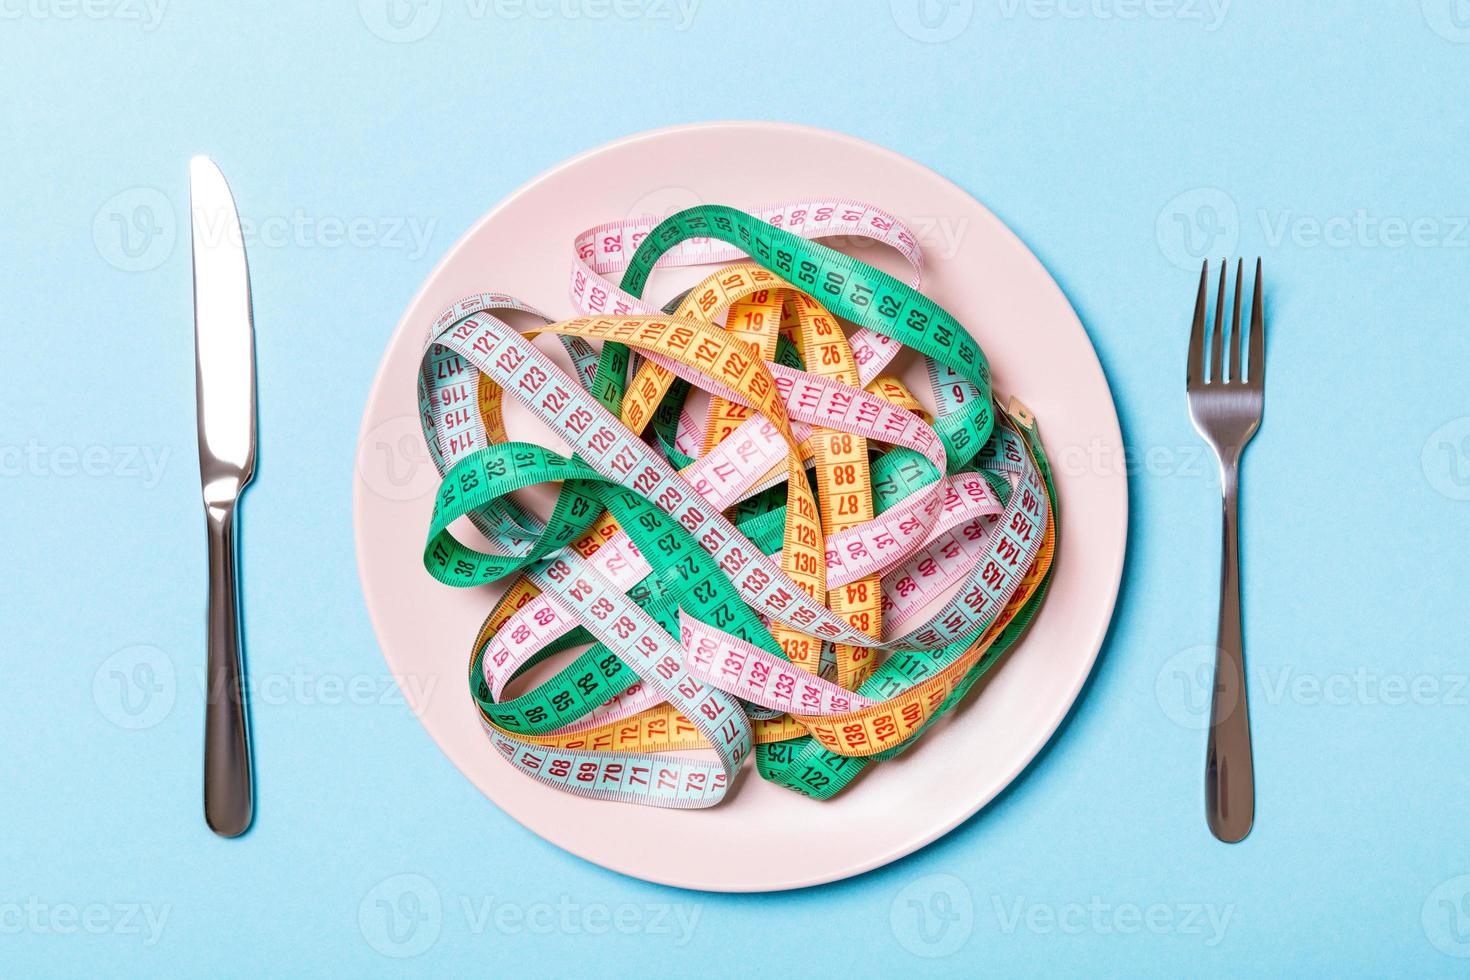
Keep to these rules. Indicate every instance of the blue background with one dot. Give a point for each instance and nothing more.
(1121, 140)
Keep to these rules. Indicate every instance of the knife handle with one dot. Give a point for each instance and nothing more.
(228, 796)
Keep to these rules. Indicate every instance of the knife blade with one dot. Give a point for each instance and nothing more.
(224, 377)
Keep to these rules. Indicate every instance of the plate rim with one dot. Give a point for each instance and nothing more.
(1113, 430)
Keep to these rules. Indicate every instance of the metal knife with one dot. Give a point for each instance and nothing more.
(224, 377)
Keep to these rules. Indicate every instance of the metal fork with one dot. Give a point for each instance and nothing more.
(1225, 407)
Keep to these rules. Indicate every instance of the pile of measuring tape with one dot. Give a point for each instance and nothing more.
(816, 570)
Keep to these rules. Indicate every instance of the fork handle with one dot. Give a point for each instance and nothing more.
(1230, 795)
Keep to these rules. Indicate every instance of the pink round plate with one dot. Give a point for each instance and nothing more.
(762, 837)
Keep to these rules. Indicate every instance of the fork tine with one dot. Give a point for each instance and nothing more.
(1237, 340)
(1217, 366)
(1195, 374)
(1258, 334)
